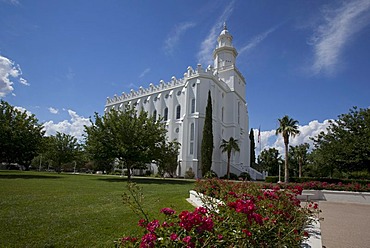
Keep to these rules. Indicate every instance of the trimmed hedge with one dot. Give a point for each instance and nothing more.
(274, 179)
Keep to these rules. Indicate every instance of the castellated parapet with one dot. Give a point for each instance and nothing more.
(174, 83)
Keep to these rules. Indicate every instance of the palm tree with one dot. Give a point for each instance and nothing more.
(300, 154)
(288, 127)
(229, 147)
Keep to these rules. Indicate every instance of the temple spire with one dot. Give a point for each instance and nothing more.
(225, 27)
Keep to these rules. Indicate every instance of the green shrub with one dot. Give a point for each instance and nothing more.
(211, 174)
(233, 176)
(364, 175)
(189, 174)
(245, 176)
(272, 179)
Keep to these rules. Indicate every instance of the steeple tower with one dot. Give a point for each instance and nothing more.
(225, 54)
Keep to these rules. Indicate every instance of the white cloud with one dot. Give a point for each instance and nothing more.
(146, 71)
(53, 110)
(9, 70)
(268, 139)
(74, 126)
(22, 110)
(257, 39)
(208, 44)
(12, 2)
(339, 26)
(175, 35)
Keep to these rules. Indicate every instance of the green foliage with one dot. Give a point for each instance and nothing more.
(298, 155)
(167, 158)
(21, 135)
(287, 127)
(231, 176)
(189, 174)
(245, 176)
(346, 145)
(252, 149)
(211, 174)
(133, 139)
(269, 160)
(274, 179)
(62, 149)
(229, 146)
(207, 140)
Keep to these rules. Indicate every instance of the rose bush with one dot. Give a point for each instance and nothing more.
(317, 185)
(247, 215)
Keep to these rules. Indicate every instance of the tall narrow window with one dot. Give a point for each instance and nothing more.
(155, 115)
(178, 111)
(165, 114)
(193, 105)
(191, 147)
(192, 132)
(238, 112)
(222, 114)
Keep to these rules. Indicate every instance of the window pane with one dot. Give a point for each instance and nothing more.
(178, 112)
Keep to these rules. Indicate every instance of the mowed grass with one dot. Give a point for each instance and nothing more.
(61, 210)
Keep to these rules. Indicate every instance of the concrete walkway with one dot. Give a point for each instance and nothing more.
(345, 225)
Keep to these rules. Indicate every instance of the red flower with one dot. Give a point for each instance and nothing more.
(148, 240)
(173, 236)
(187, 239)
(167, 211)
(142, 223)
(152, 225)
(248, 233)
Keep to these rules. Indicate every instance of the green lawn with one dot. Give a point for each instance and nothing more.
(60, 210)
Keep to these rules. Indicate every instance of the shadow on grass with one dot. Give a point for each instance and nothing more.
(26, 176)
(150, 180)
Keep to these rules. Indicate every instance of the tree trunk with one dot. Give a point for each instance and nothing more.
(286, 174)
(128, 172)
(300, 169)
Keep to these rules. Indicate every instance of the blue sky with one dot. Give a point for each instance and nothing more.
(307, 59)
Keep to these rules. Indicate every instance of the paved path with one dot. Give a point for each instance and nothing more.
(345, 225)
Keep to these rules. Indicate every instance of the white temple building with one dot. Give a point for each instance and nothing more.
(182, 104)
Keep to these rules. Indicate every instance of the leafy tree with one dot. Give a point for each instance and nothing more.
(133, 139)
(63, 149)
(269, 160)
(228, 147)
(252, 149)
(345, 147)
(288, 127)
(299, 154)
(207, 140)
(167, 159)
(20, 133)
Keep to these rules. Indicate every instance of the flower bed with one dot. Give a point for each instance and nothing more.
(246, 216)
(316, 185)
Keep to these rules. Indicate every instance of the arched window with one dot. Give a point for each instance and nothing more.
(192, 105)
(178, 112)
(155, 115)
(165, 114)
